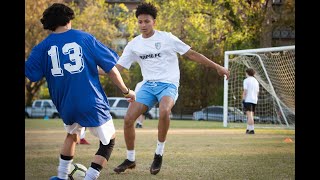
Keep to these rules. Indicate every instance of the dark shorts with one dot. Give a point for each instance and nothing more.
(249, 107)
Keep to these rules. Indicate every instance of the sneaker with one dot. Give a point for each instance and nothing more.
(125, 165)
(251, 132)
(247, 131)
(138, 125)
(84, 141)
(55, 178)
(156, 164)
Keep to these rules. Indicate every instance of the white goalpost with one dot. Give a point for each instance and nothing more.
(275, 72)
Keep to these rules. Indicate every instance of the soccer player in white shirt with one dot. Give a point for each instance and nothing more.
(156, 53)
(250, 98)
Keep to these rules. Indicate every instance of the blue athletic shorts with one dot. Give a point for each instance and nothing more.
(151, 93)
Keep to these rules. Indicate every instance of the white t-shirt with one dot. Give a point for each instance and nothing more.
(156, 55)
(252, 86)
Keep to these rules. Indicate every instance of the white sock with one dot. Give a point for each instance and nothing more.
(160, 147)
(63, 168)
(92, 174)
(82, 133)
(131, 155)
(248, 126)
(251, 127)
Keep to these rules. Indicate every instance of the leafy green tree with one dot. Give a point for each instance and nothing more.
(34, 33)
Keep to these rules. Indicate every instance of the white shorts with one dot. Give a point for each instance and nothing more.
(103, 132)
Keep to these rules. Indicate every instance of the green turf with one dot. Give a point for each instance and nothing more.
(194, 150)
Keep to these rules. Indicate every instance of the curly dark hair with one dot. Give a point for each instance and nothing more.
(147, 8)
(56, 15)
(250, 71)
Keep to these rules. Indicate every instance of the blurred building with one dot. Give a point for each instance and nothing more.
(283, 31)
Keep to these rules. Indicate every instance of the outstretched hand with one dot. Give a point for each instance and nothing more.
(223, 71)
(131, 96)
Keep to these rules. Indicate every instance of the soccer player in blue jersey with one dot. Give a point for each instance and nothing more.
(70, 60)
(156, 53)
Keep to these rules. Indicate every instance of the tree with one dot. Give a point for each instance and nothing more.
(34, 33)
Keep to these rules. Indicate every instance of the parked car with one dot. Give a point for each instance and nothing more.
(215, 113)
(119, 107)
(42, 108)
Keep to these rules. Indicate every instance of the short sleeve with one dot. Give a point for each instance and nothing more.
(33, 68)
(105, 57)
(245, 86)
(178, 45)
(127, 57)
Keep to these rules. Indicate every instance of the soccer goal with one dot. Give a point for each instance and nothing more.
(275, 72)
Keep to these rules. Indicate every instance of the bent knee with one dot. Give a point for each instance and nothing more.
(165, 111)
(128, 121)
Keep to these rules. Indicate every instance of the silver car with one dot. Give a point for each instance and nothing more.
(215, 113)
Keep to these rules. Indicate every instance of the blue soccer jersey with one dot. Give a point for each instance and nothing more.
(69, 63)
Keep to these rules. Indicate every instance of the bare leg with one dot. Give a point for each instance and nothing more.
(135, 109)
(250, 118)
(69, 145)
(165, 107)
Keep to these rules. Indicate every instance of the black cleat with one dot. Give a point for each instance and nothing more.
(247, 131)
(156, 164)
(138, 125)
(125, 165)
(251, 132)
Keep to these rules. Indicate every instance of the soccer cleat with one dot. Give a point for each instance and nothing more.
(138, 125)
(251, 132)
(247, 131)
(55, 178)
(156, 164)
(84, 141)
(127, 164)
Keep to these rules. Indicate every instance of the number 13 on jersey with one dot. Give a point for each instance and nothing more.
(74, 52)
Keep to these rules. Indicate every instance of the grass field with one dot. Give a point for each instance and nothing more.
(194, 150)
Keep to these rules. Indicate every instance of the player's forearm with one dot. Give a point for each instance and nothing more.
(116, 78)
(119, 67)
(244, 94)
(200, 58)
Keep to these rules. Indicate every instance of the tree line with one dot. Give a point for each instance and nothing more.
(210, 27)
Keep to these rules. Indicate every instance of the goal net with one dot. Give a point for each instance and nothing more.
(275, 72)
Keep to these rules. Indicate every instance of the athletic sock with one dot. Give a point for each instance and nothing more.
(82, 133)
(92, 174)
(131, 155)
(251, 127)
(160, 147)
(63, 168)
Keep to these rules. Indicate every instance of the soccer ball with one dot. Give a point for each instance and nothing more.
(77, 172)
